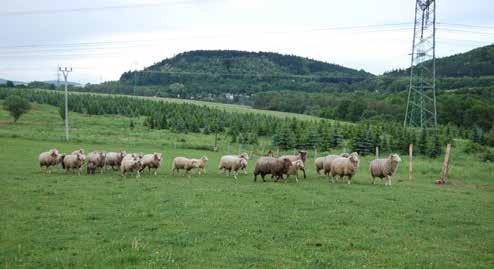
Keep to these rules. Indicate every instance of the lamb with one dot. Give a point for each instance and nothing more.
(131, 165)
(343, 166)
(114, 159)
(73, 161)
(302, 155)
(277, 167)
(187, 164)
(384, 168)
(294, 168)
(97, 158)
(151, 161)
(235, 163)
(49, 158)
(326, 162)
(200, 164)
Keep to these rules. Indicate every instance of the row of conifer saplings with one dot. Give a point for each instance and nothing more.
(343, 165)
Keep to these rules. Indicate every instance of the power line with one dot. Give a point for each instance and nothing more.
(91, 9)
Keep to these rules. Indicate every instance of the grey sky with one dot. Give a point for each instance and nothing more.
(102, 39)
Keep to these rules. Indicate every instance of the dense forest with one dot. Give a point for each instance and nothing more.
(246, 128)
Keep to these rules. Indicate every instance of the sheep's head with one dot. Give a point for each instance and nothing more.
(286, 163)
(157, 157)
(395, 157)
(122, 154)
(244, 155)
(54, 153)
(204, 158)
(80, 157)
(270, 153)
(243, 162)
(345, 154)
(303, 154)
(354, 158)
(299, 164)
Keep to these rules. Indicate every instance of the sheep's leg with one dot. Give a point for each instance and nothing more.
(373, 180)
(255, 177)
(235, 175)
(389, 180)
(349, 180)
(304, 173)
(296, 177)
(245, 171)
(262, 175)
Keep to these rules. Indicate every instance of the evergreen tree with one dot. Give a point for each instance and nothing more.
(423, 142)
(313, 139)
(476, 135)
(435, 150)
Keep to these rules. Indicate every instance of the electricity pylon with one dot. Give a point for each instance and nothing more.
(421, 105)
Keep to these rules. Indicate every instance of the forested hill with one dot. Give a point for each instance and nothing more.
(212, 72)
(251, 63)
(475, 63)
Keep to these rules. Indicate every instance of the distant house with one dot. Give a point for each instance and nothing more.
(229, 96)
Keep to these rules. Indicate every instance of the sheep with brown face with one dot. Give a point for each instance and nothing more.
(301, 155)
(73, 161)
(114, 159)
(49, 158)
(343, 166)
(277, 167)
(384, 168)
(97, 158)
(151, 161)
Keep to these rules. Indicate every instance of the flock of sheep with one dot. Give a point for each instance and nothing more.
(343, 165)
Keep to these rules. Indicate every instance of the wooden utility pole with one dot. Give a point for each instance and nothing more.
(444, 178)
(410, 162)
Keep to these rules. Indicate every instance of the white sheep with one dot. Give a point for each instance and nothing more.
(294, 168)
(232, 162)
(384, 168)
(131, 165)
(188, 164)
(114, 159)
(97, 158)
(73, 161)
(326, 164)
(343, 166)
(319, 162)
(151, 161)
(200, 164)
(49, 158)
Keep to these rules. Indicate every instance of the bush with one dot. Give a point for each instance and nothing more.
(16, 106)
(472, 147)
(487, 156)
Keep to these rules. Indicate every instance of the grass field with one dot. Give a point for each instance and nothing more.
(209, 221)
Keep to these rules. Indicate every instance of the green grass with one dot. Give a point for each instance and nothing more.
(209, 221)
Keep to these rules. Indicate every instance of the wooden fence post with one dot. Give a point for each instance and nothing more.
(444, 178)
(377, 152)
(410, 162)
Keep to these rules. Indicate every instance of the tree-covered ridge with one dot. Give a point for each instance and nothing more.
(253, 63)
(475, 63)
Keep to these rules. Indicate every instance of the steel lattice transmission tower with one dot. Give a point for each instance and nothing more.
(421, 105)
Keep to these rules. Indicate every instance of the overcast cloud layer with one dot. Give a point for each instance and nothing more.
(102, 39)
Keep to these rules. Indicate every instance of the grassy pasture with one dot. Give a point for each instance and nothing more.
(209, 221)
